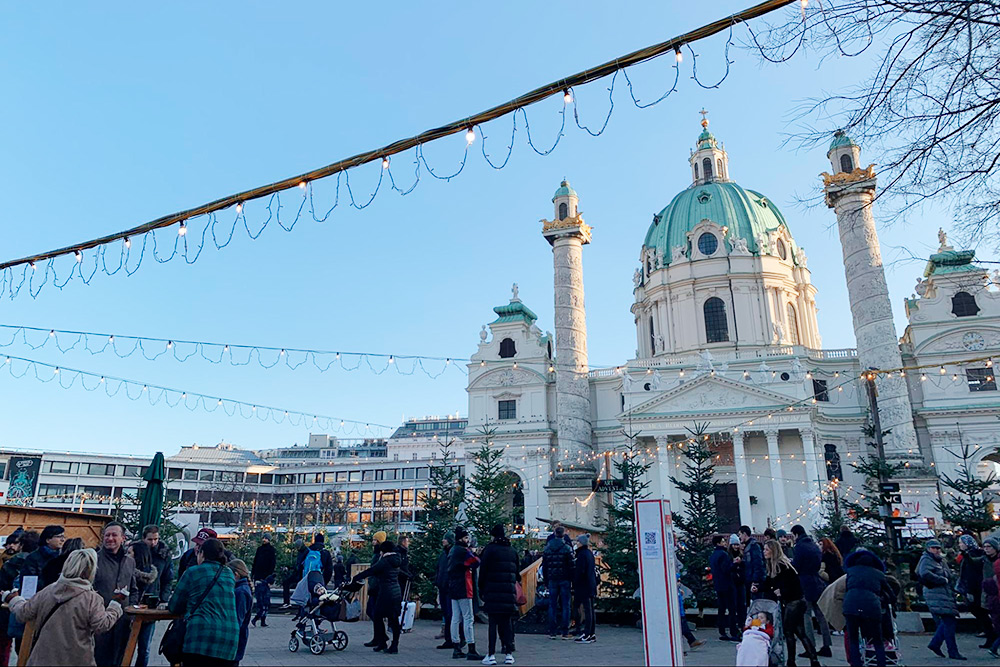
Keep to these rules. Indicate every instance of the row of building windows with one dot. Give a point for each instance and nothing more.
(102, 469)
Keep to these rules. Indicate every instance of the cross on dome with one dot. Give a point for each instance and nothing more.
(704, 117)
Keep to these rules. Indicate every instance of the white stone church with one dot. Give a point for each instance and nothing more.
(726, 335)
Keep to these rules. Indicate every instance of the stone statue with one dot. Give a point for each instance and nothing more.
(677, 253)
(637, 278)
(657, 381)
(738, 246)
(942, 238)
(765, 371)
(724, 368)
(513, 291)
(660, 343)
(797, 371)
(705, 364)
(482, 334)
(921, 287)
(800, 256)
(628, 384)
(761, 244)
(996, 277)
(779, 331)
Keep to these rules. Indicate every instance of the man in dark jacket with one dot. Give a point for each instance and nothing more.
(461, 563)
(585, 588)
(970, 584)
(807, 561)
(115, 572)
(846, 542)
(441, 582)
(721, 564)
(379, 638)
(385, 568)
(558, 570)
(265, 559)
(939, 594)
(50, 545)
(163, 561)
(753, 563)
(865, 589)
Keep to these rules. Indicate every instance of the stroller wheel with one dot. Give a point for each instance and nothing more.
(293, 644)
(339, 640)
(317, 645)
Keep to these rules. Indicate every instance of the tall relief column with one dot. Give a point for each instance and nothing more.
(850, 191)
(568, 233)
(742, 480)
(777, 481)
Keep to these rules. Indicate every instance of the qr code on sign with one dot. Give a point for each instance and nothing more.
(649, 538)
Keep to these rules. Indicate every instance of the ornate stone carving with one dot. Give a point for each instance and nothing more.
(677, 253)
(569, 224)
(482, 334)
(637, 278)
(845, 178)
(506, 378)
(657, 381)
(957, 342)
(738, 246)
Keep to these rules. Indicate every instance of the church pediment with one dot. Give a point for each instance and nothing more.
(963, 340)
(507, 377)
(711, 394)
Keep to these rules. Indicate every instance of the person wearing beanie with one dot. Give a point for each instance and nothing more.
(558, 569)
(441, 582)
(379, 637)
(265, 559)
(970, 584)
(585, 588)
(498, 578)
(326, 558)
(50, 544)
(461, 562)
(386, 570)
(939, 594)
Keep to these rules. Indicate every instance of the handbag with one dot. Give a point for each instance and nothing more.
(521, 599)
(172, 644)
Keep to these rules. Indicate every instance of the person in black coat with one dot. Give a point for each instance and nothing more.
(782, 584)
(558, 570)
(807, 560)
(50, 545)
(721, 564)
(866, 589)
(387, 605)
(441, 583)
(498, 576)
(585, 588)
(265, 559)
(319, 544)
(846, 542)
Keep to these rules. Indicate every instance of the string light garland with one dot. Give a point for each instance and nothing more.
(270, 193)
(18, 367)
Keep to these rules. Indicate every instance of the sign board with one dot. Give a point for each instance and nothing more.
(896, 498)
(23, 476)
(889, 487)
(661, 621)
(897, 521)
(607, 485)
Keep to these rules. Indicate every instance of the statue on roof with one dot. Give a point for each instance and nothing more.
(483, 334)
(513, 291)
(942, 237)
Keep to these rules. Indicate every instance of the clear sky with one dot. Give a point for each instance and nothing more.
(116, 114)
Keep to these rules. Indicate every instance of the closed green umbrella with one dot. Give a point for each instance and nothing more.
(151, 510)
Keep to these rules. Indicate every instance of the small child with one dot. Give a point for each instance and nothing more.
(262, 594)
(754, 650)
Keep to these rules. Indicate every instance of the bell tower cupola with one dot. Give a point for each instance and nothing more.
(565, 202)
(709, 162)
(844, 154)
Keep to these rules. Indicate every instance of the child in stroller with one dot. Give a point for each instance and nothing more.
(763, 641)
(316, 604)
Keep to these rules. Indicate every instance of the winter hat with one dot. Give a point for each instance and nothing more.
(266, 536)
(460, 532)
(204, 534)
(379, 537)
(497, 531)
(781, 533)
(449, 537)
(734, 539)
(584, 539)
(968, 540)
(930, 544)
(993, 542)
(319, 538)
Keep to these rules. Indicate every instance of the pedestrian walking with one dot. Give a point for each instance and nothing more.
(68, 614)
(262, 599)
(115, 572)
(970, 584)
(146, 576)
(846, 542)
(326, 559)
(265, 559)
(865, 589)
(721, 565)
(379, 637)
(498, 577)
(294, 573)
(52, 569)
(205, 595)
(387, 605)
(10, 574)
(441, 583)
(244, 601)
(782, 585)
(939, 594)
(462, 561)
(558, 570)
(738, 578)
(807, 561)
(585, 588)
(753, 563)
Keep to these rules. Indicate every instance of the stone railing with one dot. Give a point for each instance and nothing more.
(693, 359)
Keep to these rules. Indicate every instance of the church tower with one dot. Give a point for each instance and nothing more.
(850, 191)
(568, 233)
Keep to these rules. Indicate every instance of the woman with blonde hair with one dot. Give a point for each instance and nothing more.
(781, 584)
(67, 614)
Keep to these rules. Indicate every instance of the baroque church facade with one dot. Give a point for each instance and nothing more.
(727, 343)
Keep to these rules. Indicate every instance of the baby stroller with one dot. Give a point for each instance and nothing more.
(776, 650)
(326, 606)
(890, 639)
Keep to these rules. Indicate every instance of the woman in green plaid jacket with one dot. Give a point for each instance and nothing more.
(212, 631)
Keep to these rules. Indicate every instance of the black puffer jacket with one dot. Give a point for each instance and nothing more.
(386, 571)
(585, 579)
(461, 562)
(866, 584)
(498, 576)
(557, 562)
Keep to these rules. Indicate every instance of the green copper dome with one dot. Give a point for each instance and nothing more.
(840, 139)
(564, 191)
(746, 213)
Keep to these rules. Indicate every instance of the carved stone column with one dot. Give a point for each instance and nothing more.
(813, 482)
(665, 456)
(742, 480)
(777, 482)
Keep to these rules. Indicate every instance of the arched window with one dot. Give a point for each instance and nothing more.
(507, 348)
(846, 164)
(696, 176)
(782, 250)
(718, 163)
(964, 304)
(716, 327)
(563, 211)
(707, 166)
(793, 325)
(652, 336)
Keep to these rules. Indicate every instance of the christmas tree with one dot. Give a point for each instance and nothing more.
(967, 506)
(699, 520)
(620, 557)
(866, 512)
(446, 489)
(489, 488)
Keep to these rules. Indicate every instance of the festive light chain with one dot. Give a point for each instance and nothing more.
(67, 377)
(271, 193)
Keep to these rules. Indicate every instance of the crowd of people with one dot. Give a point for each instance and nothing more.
(839, 588)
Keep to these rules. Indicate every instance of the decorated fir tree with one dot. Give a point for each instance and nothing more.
(445, 490)
(865, 513)
(699, 520)
(489, 488)
(964, 505)
(620, 558)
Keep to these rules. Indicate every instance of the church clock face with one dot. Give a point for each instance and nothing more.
(973, 341)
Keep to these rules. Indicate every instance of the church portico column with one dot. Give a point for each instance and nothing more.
(665, 455)
(777, 481)
(812, 467)
(742, 480)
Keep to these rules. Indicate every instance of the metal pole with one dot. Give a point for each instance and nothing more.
(886, 510)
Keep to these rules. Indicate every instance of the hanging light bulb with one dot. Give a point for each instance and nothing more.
(678, 56)
(681, 374)
(567, 97)
(128, 243)
(79, 256)
(470, 135)
(182, 230)
(385, 162)
(33, 267)
(302, 185)
(923, 377)
(52, 333)
(170, 344)
(239, 207)
(942, 370)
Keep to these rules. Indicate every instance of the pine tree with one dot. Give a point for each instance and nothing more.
(968, 508)
(620, 557)
(832, 518)
(865, 512)
(446, 489)
(489, 488)
(699, 520)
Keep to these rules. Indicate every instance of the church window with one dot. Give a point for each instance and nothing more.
(981, 379)
(820, 392)
(716, 326)
(507, 409)
(507, 348)
(696, 176)
(793, 325)
(782, 250)
(846, 164)
(719, 170)
(652, 336)
(563, 211)
(708, 243)
(548, 349)
(707, 166)
(964, 304)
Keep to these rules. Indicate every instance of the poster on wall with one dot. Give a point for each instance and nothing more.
(661, 631)
(23, 479)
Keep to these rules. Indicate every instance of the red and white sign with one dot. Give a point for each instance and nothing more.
(661, 620)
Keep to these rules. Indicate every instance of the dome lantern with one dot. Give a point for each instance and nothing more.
(844, 154)
(709, 161)
(565, 201)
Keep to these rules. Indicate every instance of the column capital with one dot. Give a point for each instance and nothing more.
(807, 432)
(662, 440)
(737, 438)
(771, 432)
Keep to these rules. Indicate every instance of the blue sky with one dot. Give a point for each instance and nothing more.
(117, 115)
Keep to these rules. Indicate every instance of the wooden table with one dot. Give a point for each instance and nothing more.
(141, 616)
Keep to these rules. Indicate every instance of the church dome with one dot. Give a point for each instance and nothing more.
(746, 213)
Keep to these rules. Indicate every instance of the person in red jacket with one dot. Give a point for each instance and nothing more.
(461, 562)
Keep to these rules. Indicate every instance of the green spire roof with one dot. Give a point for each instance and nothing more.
(564, 191)
(840, 139)
(951, 261)
(515, 311)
